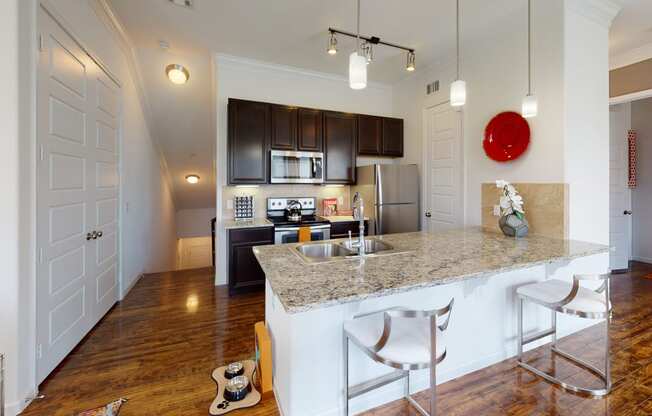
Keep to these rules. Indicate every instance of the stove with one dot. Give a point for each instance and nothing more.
(286, 231)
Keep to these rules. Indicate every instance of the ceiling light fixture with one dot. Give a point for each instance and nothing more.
(530, 106)
(332, 45)
(192, 179)
(410, 62)
(177, 74)
(357, 63)
(368, 50)
(458, 87)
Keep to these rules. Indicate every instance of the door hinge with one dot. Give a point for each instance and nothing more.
(41, 153)
(39, 351)
(40, 43)
(40, 255)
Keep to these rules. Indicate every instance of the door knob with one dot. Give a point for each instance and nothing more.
(428, 214)
(92, 235)
(627, 212)
(99, 234)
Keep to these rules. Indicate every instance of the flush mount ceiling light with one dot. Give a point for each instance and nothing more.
(177, 74)
(530, 106)
(182, 3)
(192, 179)
(458, 87)
(363, 54)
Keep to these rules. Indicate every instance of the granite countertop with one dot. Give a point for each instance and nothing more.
(421, 260)
(343, 218)
(253, 223)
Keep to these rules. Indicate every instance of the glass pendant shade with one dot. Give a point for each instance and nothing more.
(458, 93)
(530, 106)
(357, 71)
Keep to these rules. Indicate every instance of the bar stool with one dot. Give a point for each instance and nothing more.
(571, 299)
(402, 339)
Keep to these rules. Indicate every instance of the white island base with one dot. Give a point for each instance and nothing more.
(307, 347)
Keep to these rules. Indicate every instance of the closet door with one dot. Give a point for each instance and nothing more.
(77, 195)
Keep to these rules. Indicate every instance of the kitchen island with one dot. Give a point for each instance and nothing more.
(307, 303)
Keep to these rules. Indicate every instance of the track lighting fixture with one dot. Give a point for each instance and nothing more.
(410, 61)
(332, 44)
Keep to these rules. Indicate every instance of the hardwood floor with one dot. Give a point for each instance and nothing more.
(158, 347)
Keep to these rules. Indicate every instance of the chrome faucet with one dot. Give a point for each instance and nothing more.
(358, 214)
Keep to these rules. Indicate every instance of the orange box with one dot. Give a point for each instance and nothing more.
(263, 359)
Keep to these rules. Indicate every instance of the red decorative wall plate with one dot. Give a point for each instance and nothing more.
(506, 137)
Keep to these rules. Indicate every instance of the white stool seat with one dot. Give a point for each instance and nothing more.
(552, 291)
(408, 343)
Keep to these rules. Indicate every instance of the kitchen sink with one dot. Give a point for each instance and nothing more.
(371, 245)
(323, 250)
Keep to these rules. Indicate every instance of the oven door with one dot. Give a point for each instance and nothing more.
(285, 235)
(296, 167)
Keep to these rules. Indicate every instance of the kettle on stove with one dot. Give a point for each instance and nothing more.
(293, 211)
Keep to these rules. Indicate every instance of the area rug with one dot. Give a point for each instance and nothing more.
(110, 409)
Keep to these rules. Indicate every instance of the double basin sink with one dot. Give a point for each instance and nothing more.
(326, 251)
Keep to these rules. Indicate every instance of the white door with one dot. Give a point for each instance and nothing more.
(77, 194)
(444, 174)
(619, 194)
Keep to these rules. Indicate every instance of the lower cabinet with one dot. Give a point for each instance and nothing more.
(245, 273)
(341, 229)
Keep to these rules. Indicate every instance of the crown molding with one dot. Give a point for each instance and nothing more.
(108, 17)
(602, 12)
(233, 61)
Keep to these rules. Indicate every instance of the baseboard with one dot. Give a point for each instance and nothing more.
(17, 407)
(647, 260)
(131, 286)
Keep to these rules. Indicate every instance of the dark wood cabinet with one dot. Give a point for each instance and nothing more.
(341, 229)
(392, 137)
(370, 134)
(284, 127)
(248, 142)
(245, 272)
(340, 141)
(310, 130)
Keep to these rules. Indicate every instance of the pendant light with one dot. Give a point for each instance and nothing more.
(332, 45)
(357, 63)
(458, 87)
(530, 106)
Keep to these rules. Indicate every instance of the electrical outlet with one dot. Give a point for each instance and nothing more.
(229, 204)
(496, 210)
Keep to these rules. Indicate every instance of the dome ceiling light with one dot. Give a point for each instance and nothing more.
(177, 74)
(193, 179)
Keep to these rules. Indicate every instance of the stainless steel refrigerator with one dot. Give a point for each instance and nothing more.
(391, 197)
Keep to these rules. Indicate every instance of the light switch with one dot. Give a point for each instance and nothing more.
(229, 204)
(496, 210)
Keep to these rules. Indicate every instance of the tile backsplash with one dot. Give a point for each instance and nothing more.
(263, 192)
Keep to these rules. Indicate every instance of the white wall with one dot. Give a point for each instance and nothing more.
(642, 194)
(495, 69)
(252, 80)
(194, 222)
(149, 235)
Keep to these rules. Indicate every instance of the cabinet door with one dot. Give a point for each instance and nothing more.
(244, 270)
(392, 137)
(248, 141)
(370, 130)
(310, 130)
(284, 127)
(340, 138)
(341, 229)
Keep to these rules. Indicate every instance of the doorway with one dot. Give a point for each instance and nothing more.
(443, 168)
(78, 185)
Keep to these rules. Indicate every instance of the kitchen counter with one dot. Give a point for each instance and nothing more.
(306, 306)
(343, 218)
(423, 259)
(253, 223)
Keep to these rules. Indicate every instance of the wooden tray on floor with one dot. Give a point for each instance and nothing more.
(221, 406)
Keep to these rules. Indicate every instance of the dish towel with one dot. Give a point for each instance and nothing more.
(304, 234)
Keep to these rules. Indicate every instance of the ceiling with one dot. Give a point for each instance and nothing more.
(632, 28)
(294, 33)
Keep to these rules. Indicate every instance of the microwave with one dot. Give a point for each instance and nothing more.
(296, 167)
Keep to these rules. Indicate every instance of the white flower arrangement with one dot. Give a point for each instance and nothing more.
(510, 201)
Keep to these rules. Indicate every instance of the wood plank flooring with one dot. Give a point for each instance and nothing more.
(158, 347)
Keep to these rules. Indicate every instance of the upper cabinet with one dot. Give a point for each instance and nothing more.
(248, 142)
(310, 130)
(370, 135)
(392, 137)
(255, 128)
(284, 127)
(340, 138)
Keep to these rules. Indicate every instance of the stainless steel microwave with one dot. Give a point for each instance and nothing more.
(296, 167)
